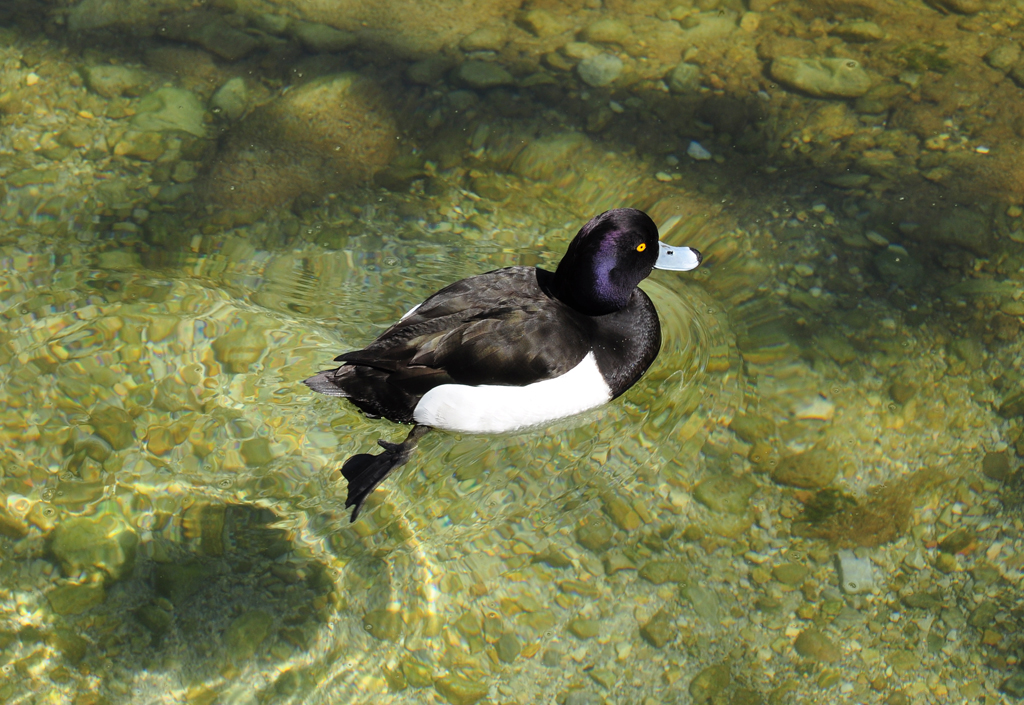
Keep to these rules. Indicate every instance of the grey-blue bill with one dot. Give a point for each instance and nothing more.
(677, 259)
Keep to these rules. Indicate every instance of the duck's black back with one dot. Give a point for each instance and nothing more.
(498, 328)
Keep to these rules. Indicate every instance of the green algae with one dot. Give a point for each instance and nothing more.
(880, 517)
(922, 56)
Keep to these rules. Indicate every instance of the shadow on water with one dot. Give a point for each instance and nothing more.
(740, 126)
(178, 434)
(772, 144)
(204, 596)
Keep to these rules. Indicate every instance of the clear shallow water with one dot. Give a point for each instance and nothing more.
(841, 374)
(221, 441)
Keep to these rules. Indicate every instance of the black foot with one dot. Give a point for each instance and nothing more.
(365, 472)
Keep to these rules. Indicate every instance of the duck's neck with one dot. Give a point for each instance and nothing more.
(593, 289)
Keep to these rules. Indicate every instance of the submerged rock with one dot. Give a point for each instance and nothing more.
(272, 23)
(145, 146)
(491, 38)
(1013, 405)
(428, 71)
(239, 348)
(321, 136)
(540, 23)
(725, 493)
(11, 526)
(902, 392)
(245, 634)
(484, 74)
(903, 661)
(508, 648)
(790, 573)
(154, 618)
(493, 188)
(752, 428)
(72, 646)
(577, 51)
(547, 157)
(113, 425)
(210, 31)
(684, 78)
(418, 671)
(595, 534)
(1004, 56)
(814, 645)
(170, 109)
(963, 7)
(459, 690)
(179, 581)
(386, 625)
(114, 81)
(858, 31)
(659, 572)
(256, 452)
(659, 629)
(94, 14)
(600, 70)
(98, 543)
(608, 31)
(708, 26)
(824, 78)
(75, 599)
(583, 697)
(895, 265)
(584, 628)
(232, 99)
(965, 228)
(619, 510)
(996, 466)
(855, 574)
(704, 601)
(812, 469)
(710, 682)
(1014, 685)
(321, 37)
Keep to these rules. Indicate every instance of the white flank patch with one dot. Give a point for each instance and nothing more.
(492, 408)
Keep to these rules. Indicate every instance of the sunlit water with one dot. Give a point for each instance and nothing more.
(221, 437)
(172, 520)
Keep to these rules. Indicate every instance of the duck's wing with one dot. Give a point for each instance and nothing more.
(495, 328)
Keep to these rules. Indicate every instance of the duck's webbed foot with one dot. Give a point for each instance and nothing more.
(365, 471)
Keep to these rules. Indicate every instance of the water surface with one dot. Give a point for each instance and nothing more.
(812, 495)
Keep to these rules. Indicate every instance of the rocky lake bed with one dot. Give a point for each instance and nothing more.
(814, 495)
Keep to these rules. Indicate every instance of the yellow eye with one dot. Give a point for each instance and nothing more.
(641, 247)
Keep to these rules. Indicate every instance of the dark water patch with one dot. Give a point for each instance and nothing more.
(881, 517)
(220, 591)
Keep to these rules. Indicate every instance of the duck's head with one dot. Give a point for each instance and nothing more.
(610, 255)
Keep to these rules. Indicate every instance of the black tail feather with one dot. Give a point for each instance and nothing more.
(365, 472)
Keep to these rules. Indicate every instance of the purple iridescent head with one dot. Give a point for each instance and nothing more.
(609, 256)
